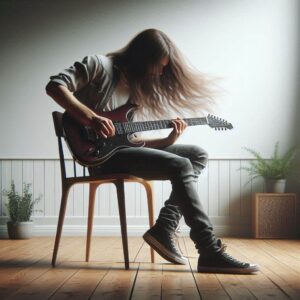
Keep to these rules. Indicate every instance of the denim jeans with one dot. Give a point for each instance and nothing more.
(181, 164)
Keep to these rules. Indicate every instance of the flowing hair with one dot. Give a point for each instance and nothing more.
(179, 90)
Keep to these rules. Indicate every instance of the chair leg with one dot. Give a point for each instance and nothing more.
(92, 193)
(62, 212)
(122, 212)
(148, 188)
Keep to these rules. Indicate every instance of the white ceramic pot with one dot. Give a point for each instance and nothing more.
(275, 185)
(20, 230)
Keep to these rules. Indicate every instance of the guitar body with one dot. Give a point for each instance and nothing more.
(87, 148)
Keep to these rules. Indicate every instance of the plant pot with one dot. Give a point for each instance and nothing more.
(275, 185)
(19, 230)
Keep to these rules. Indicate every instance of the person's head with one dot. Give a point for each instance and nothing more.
(142, 56)
(157, 74)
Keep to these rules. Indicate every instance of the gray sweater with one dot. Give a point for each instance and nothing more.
(92, 80)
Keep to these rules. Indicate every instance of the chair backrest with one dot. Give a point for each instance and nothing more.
(57, 120)
(59, 131)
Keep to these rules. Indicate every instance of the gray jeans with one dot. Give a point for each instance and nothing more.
(181, 164)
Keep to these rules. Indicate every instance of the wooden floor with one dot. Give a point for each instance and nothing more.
(26, 273)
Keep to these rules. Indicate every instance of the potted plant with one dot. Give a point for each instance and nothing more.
(274, 170)
(20, 209)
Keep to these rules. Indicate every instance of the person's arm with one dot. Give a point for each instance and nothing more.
(178, 127)
(62, 96)
(61, 88)
(103, 126)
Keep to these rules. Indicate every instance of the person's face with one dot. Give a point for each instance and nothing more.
(157, 69)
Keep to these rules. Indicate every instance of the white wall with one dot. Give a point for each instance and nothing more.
(252, 45)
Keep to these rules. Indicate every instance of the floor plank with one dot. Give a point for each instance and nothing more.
(117, 283)
(280, 276)
(148, 284)
(208, 285)
(149, 278)
(22, 284)
(259, 284)
(26, 271)
(178, 282)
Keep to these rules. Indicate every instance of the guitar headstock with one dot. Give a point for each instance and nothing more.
(218, 123)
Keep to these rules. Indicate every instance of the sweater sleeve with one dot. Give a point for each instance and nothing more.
(79, 74)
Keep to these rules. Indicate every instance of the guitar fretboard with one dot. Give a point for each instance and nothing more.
(131, 127)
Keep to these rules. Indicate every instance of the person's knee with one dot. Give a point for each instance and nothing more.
(199, 155)
(182, 167)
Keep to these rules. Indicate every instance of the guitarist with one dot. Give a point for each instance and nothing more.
(150, 72)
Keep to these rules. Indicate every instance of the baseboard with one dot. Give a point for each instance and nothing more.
(110, 226)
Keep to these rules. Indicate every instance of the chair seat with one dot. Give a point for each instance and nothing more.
(104, 178)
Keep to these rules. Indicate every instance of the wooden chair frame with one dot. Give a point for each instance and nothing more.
(94, 182)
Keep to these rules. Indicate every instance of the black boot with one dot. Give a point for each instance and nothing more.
(221, 262)
(164, 243)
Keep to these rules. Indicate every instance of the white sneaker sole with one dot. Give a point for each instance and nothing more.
(251, 269)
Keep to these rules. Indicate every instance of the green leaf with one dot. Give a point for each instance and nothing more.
(274, 168)
(20, 208)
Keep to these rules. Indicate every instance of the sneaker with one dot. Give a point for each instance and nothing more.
(222, 262)
(164, 243)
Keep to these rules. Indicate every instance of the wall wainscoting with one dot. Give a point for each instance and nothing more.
(224, 189)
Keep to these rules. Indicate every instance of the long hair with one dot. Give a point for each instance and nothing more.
(180, 90)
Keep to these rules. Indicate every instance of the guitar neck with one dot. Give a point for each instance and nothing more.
(131, 127)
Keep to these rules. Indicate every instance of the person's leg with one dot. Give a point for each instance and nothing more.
(165, 243)
(170, 213)
(161, 165)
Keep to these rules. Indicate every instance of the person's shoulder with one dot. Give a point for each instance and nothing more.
(106, 61)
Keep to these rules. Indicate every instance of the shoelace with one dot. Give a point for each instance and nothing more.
(223, 246)
(177, 236)
(232, 259)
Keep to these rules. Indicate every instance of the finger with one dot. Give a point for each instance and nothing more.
(103, 134)
(104, 128)
(183, 124)
(180, 125)
(108, 127)
(104, 124)
(99, 127)
(111, 127)
(176, 126)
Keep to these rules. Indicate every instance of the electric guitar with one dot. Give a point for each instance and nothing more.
(90, 149)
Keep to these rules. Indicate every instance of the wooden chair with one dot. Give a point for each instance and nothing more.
(117, 179)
